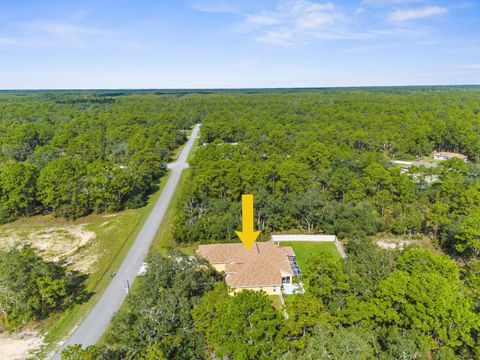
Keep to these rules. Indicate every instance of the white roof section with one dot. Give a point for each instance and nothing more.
(313, 238)
(399, 162)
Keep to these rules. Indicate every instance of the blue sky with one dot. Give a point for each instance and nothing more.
(232, 44)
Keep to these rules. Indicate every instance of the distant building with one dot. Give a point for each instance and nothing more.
(405, 168)
(404, 165)
(444, 155)
(264, 267)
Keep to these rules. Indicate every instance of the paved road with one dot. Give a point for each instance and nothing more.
(95, 324)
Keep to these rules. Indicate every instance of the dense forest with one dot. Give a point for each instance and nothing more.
(78, 153)
(321, 162)
(316, 162)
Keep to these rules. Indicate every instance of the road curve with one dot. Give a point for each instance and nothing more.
(96, 322)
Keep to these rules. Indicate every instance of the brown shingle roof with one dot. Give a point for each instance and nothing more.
(261, 265)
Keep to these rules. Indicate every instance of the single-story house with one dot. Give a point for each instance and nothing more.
(444, 155)
(266, 266)
(407, 165)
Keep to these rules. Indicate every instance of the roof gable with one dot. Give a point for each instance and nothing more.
(261, 265)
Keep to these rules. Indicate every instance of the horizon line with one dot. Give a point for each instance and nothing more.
(238, 88)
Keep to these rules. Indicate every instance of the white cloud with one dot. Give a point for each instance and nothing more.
(262, 20)
(64, 32)
(389, 2)
(292, 21)
(8, 41)
(415, 14)
(48, 33)
(362, 48)
(25, 41)
(63, 29)
(299, 22)
(279, 37)
(313, 21)
(218, 6)
(300, 7)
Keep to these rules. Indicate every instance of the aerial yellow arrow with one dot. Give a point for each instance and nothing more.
(247, 235)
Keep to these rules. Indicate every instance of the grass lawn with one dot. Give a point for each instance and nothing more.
(163, 238)
(277, 302)
(304, 250)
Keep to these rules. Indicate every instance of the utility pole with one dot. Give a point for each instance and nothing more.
(127, 287)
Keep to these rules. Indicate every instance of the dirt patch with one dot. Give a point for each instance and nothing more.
(110, 215)
(62, 243)
(19, 345)
(400, 243)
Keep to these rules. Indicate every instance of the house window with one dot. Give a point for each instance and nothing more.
(285, 279)
(274, 289)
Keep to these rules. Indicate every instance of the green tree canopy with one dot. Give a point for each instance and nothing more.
(31, 288)
(243, 326)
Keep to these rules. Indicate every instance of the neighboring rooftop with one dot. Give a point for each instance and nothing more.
(263, 265)
(403, 163)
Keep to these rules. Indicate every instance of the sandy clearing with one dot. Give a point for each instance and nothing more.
(61, 243)
(68, 243)
(396, 244)
(19, 345)
(392, 242)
